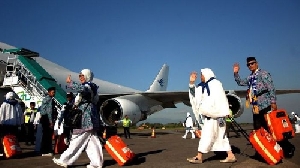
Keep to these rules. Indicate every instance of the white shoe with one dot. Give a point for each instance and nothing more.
(59, 163)
(90, 166)
(48, 154)
(184, 137)
(1, 154)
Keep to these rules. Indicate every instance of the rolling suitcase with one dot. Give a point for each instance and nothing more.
(118, 150)
(266, 146)
(279, 125)
(60, 144)
(11, 146)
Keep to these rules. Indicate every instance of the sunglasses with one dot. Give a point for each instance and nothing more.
(80, 75)
(250, 63)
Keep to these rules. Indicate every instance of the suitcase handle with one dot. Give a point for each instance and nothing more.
(280, 114)
(103, 141)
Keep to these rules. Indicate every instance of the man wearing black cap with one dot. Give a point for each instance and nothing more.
(48, 117)
(260, 93)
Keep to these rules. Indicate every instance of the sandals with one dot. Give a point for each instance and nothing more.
(228, 160)
(194, 160)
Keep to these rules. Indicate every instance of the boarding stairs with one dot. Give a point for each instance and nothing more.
(23, 71)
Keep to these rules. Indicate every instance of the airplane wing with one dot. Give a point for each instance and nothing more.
(242, 93)
(169, 99)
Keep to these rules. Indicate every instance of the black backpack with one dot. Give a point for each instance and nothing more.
(86, 95)
(73, 117)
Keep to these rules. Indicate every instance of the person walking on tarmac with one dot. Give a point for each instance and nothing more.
(213, 106)
(126, 125)
(29, 116)
(296, 119)
(11, 117)
(261, 92)
(188, 123)
(262, 96)
(229, 119)
(84, 138)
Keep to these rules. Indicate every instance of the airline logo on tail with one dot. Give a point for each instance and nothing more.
(161, 82)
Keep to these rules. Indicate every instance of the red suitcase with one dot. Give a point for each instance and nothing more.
(11, 146)
(118, 150)
(60, 144)
(279, 125)
(266, 146)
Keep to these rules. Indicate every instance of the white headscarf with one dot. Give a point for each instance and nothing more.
(189, 120)
(88, 74)
(10, 95)
(207, 73)
(188, 114)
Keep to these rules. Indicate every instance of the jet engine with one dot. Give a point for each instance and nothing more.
(236, 105)
(114, 109)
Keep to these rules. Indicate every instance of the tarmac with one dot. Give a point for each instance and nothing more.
(167, 150)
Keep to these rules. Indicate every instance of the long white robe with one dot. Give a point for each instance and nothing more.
(195, 102)
(11, 114)
(215, 106)
(87, 142)
(297, 124)
(189, 126)
(59, 130)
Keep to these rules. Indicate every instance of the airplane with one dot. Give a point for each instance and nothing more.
(116, 101)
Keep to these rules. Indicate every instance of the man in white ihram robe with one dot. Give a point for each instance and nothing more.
(11, 117)
(193, 93)
(209, 100)
(297, 122)
(188, 123)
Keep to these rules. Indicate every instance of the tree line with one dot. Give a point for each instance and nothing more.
(158, 125)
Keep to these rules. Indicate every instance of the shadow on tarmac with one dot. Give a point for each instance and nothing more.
(138, 159)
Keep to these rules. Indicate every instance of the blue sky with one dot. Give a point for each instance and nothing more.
(127, 41)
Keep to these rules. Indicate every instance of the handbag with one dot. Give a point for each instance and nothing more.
(74, 118)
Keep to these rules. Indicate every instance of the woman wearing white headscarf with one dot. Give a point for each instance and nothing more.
(85, 87)
(86, 137)
(212, 104)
